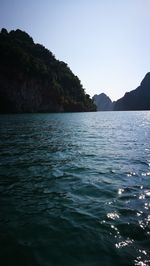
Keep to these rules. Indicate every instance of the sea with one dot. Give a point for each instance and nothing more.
(75, 189)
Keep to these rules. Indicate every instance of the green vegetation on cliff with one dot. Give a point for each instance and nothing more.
(32, 80)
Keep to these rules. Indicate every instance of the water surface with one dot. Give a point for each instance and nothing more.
(75, 189)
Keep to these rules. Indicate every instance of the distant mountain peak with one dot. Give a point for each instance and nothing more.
(146, 80)
(138, 99)
(103, 102)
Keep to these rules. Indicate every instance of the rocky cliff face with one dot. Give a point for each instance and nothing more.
(23, 94)
(103, 102)
(32, 80)
(138, 99)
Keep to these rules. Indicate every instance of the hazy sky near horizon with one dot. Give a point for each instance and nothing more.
(106, 43)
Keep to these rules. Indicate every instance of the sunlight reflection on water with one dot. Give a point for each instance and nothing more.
(75, 188)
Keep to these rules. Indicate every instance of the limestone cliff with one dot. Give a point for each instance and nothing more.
(103, 102)
(138, 99)
(33, 80)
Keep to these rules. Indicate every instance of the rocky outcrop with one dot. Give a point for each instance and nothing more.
(33, 80)
(26, 95)
(103, 102)
(138, 99)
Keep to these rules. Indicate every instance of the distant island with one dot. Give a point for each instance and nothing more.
(103, 102)
(138, 99)
(32, 80)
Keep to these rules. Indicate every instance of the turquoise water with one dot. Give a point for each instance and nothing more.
(75, 189)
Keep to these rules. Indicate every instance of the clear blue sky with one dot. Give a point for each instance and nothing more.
(106, 43)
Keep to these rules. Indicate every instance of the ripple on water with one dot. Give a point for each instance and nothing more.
(75, 189)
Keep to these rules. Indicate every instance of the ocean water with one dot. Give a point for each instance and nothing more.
(75, 189)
